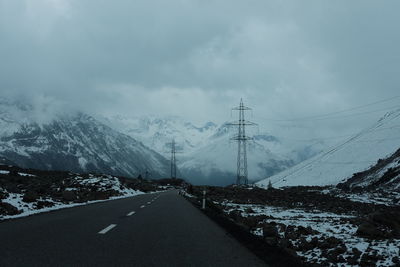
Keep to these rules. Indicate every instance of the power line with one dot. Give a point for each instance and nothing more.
(320, 139)
(331, 115)
(378, 140)
(358, 114)
(347, 163)
(340, 136)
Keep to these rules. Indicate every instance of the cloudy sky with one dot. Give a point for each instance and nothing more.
(197, 58)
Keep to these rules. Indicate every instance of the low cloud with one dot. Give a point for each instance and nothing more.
(198, 58)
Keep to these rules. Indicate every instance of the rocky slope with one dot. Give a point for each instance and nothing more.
(383, 176)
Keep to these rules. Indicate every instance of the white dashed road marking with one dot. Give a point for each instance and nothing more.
(130, 213)
(142, 206)
(108, 228)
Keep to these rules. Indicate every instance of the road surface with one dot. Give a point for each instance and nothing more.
(160, 229)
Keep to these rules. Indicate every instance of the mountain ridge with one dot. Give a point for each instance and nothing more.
(76, 142)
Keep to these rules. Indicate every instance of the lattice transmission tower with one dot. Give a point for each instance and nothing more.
(242, 138)
(174, 150)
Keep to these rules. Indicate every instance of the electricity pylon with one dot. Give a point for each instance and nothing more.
(173, 158)
(242, 138)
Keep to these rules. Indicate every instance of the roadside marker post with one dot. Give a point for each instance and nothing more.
(204, 200)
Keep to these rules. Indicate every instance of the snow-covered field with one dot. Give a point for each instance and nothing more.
(102, 184)
(324, 226)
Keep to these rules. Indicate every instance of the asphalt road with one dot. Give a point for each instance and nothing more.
(149, 230)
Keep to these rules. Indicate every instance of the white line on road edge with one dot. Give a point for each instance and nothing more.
(108, 228)
(130, 213)
(142, 206)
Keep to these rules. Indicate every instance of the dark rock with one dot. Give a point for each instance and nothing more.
(291, 233)
(291, 252)
(305, 231)
(249, 210)
(235, 215)
(314, 242)
(14, 173)
(304, 245)
(30, 196)
(329, 243)
(3, 195)
(273, 241)
(336, 255)
(356, 252)
(8, 209)
(284, 243)
(368, 260)
(69, 195)
(340, 259)
(388, 219)
(44, 204)
(251, 221)
(352, 260)
(369, 230)
(270, 230)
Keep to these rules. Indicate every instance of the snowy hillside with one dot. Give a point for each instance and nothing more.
(340, 162)
(76, 143)
(208, 156)
(385, 175)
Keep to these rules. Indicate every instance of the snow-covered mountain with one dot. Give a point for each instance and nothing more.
(76, 142)
(354, 155)
(208, 156)
(158, 132)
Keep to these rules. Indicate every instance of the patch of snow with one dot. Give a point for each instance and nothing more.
(26, 174)
(82, 162)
